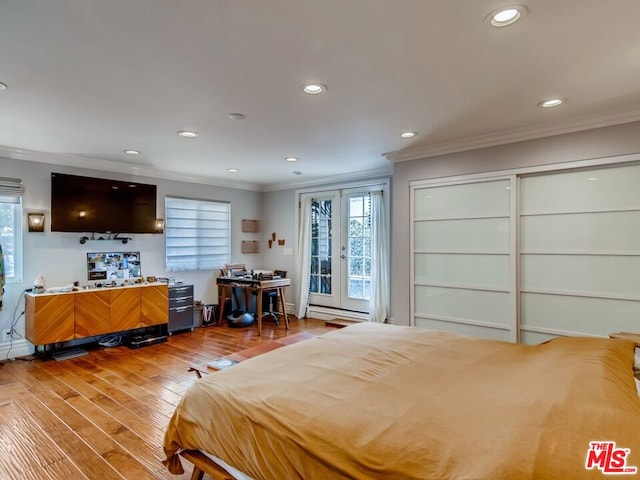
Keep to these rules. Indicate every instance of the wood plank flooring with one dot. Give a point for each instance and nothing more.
(103, 416)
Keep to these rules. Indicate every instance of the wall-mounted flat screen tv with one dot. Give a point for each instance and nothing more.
(87, 204)
(113, 265)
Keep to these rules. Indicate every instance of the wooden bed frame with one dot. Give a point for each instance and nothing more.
(203, 464)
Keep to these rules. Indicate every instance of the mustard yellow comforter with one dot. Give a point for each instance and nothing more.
(389, 402)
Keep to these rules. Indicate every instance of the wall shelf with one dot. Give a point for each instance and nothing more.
(250, 246)
(251, 226)
(84, 239)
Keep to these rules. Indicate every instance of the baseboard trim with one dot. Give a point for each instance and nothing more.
(324, 313)
(17, 348)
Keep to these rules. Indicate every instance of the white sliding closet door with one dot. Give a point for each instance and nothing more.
(579, 253)
(462, 268)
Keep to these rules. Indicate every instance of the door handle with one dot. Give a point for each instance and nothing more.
(343, 256)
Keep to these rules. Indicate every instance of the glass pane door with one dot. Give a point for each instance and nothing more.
(323, 244)
(341, 250)
(356, 252)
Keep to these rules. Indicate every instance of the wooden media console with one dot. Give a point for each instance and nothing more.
(60, 317)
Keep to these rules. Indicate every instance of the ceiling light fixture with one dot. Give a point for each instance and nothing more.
(188, 134)
(3, 86)
(132, 152)
(237, 116)
(506, 16)
(314, 88)
(232, 170)
(552, 102)
(291, 159)
(408, 134)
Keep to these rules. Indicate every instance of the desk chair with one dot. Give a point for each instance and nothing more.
(273, 298)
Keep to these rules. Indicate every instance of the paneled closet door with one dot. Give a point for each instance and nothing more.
(463, 269)
(580, 252)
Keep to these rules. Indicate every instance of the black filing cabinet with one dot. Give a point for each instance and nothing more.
(180, 308)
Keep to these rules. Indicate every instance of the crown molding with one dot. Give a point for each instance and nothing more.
(118, 167)
(347, 177)
(514, 135)
(146, 171)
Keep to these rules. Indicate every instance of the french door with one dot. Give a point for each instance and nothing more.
(340, 274)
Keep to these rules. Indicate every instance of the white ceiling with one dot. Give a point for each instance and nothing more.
(89, 78)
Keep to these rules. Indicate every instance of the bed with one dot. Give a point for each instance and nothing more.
(390, 402)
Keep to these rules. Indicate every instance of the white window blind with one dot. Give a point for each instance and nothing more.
(11, 190)
(198, 234)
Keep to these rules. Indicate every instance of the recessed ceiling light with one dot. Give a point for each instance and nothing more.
(297, 172)
(132, 152)
(232, 170)
(3, 86)
(188, 134)
(237, 116)
(552, 102)
(506, 16)
(314, 88)
(408, 134)
(291, 159)
(592, 179)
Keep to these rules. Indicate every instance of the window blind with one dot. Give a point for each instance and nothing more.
(11, 189)
(198, 234)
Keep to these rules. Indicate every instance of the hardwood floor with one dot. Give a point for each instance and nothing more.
(103, 416)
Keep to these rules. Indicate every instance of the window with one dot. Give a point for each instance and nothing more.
(198, 234)
(11, 228)
(359, 245)
(321, 241)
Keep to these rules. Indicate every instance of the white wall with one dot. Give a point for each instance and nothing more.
(590, 144)
(279, 216)
(61, 259)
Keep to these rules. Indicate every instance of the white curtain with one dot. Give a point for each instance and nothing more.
(303, 267)
(379, 295)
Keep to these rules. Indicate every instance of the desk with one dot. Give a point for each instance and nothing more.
(250, 285)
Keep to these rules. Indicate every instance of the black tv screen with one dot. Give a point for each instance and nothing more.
(87, 204)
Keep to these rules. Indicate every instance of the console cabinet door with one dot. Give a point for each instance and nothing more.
(125, 309)
(49, 318)
(92, 313)
(154, 305)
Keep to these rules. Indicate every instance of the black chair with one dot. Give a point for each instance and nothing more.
(271, 298)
